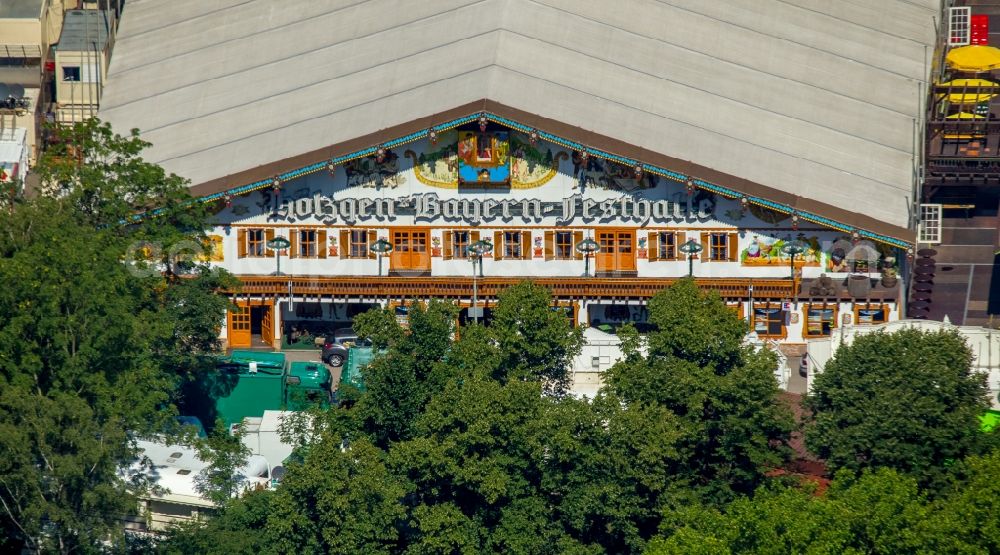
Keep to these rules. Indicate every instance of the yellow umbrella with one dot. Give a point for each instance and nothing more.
(966, 134)
(974, 58)
(969, 91)
(964, 115)
(969, 83)
(968, 98)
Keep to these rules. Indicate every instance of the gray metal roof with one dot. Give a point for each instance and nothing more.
(20, 9)
(813, 97)
(84, 30)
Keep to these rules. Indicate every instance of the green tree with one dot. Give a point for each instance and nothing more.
(724, 392)
(89, 343)
(535, 341)
(614, 469)
(334, 501)
(966, 518)
(697, 327)
(337, 501)
(878, 513)
(238, 529)
(399, 382)
(906, 400)
(379, 326)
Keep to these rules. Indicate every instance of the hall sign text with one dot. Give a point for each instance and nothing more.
(428, 207)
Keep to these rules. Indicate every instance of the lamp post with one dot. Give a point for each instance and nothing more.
(278, 244)
(476, 252)
(587, 247)
(380, 247)
(691, 248)
(792, 248)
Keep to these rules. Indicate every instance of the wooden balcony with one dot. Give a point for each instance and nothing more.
(454, 287)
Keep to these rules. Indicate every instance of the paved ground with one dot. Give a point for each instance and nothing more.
(796, 381)
(965, 265)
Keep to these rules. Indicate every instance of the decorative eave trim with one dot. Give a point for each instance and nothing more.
(728, 192)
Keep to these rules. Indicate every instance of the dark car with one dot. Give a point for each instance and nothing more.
(335, 349)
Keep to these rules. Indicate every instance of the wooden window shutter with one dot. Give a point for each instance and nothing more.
(577, 237)
(550, 238)
(293, 238)
(268, 236)
(526, 246)
(497, 245)
(372, 237)
(241, 237)
(473, 237)
(446, 237)
(706, 247)
(321, 243)
(680, 238)
(733, 244)
(344, 249)
(654, 246)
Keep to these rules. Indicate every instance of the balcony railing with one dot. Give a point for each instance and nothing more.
(461, 287)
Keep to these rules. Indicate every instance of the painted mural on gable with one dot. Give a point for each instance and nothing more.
(486, 159)
(375, 171)
(594, 172)
(491, 158)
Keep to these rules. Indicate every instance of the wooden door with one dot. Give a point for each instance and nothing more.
(239, 325)
(267, 324)
(617, 252)
(410, 250)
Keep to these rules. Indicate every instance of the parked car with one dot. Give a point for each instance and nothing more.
(335, 349)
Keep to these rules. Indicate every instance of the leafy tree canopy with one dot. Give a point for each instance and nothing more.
(907, 400)
(723, 391)
(90, 344)
(881, 511)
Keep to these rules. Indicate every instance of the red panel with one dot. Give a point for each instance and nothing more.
(979, 29)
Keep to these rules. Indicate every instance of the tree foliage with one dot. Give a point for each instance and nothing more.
(535, 341)
(90, 348)
(722, 391)
(881, 511)
(906, 400)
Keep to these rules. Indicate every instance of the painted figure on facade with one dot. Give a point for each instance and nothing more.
(370, 172)
(591, 171)
(436, 166)
(766, 250)
(532, 163)
(482, 157)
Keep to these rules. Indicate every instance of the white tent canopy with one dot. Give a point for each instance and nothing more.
(811, 97)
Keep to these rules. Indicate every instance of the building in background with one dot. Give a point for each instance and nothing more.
(573, 145)
(959, 209)
(13, 155)
(28, 28)
(81, 64)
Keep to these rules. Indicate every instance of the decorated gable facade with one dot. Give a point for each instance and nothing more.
(488, 203)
